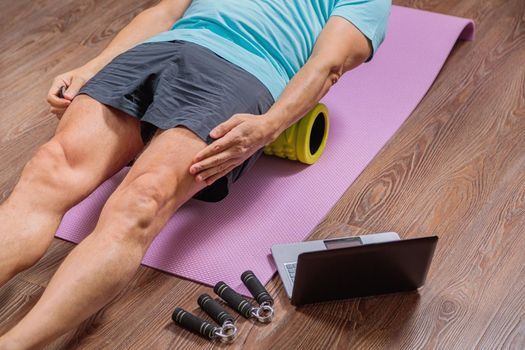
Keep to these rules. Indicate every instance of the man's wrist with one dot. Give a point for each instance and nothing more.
(273, 127)
(89, 68)
(96, 64)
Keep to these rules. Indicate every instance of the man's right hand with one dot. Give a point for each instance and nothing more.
(72, 81)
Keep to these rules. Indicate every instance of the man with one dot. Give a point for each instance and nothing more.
(195, 90)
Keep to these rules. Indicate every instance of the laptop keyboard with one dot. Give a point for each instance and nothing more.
(290, 268)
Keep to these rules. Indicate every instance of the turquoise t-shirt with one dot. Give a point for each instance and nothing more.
(272, 39)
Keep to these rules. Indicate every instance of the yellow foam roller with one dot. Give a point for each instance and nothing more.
(305, 140)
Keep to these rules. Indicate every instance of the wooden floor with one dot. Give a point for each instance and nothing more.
(456, 168)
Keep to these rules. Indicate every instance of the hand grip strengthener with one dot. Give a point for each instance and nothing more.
(264, 313)
(225, 333)
(62, 91)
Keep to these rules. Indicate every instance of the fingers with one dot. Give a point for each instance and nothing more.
(63, 89)
(212, 161)
(55, 101)
(58, 105)
(73, 88)
(221, 129)
(52, 95)
(216, 147)
(210, 175)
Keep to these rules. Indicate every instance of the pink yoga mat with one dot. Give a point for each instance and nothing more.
(282, 201)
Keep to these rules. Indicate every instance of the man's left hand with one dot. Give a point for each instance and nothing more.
(238, 138)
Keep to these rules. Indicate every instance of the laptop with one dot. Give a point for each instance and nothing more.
(355, 266)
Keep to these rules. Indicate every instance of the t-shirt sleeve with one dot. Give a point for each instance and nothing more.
(369, 16)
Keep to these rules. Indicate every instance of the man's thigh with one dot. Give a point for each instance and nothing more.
(168, 156)
(98, 138)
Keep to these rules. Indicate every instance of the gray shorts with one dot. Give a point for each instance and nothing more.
(171, 83)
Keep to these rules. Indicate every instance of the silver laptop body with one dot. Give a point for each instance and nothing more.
(285, 255)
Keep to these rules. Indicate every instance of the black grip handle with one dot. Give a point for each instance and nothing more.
(214, 309)
(256, 288)
(234, 299)
(61, 91)
(193, 323)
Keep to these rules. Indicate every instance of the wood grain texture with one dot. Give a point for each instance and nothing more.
(456, 168)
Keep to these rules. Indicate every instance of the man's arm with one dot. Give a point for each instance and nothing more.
(339, 48)
(149, 22)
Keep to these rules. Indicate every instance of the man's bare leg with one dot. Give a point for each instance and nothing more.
(104, 262)
(91, 143)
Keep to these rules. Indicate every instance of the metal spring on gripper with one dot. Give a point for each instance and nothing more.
(264, 313)
(226, 332)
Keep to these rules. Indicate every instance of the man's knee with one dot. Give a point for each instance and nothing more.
(132, 210)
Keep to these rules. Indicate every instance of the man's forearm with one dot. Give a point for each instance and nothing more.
(303, 91)
(339, 48)
(149, 22)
